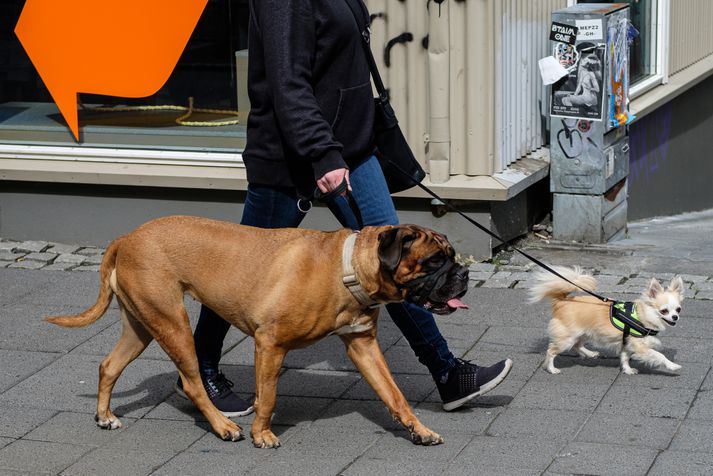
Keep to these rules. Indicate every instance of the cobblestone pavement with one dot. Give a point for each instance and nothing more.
(50, 256)
(590, 419)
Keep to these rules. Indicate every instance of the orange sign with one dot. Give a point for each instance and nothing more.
(125, 48)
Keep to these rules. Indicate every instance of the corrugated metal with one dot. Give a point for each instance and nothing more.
(691, 35)
(479, 85)
(520, 96)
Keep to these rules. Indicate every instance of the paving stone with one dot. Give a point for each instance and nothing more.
(694, 278)
(682, 462)
(140, 449)
(479, 275)
(393, 467)
(553, 396)
(4, 441)
(705, 295)
(6, 245)
(27, 264)
(390, 447)
(491, 455)
(237, 459)
(691, 375)
(472, 418)
(497, 283)
(39, 456)
(89, 250)
(703, 286)
(44, 257)
(693, 436)
(360, 415)
(59, 267)
(317, 451)
(18, 365)
(10, 256)
(61, 248)
(633, 430)
(210, 443)
(525, 339)
(646, 401)
(316, 383)
(70, 258)
(76, 429)
(92, 268)
(576, 370)
(688, 349)
(17, 420)
(482, 267)
(602, 459)
(414, 387)
(31, 246)
(5, 264)
(92, 259)
(559, 425)
(70, 384)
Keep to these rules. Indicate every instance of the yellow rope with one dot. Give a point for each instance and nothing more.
(181, 121)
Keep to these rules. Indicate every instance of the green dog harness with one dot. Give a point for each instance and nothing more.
(624, 317)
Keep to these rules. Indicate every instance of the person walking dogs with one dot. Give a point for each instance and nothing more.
(311, 125)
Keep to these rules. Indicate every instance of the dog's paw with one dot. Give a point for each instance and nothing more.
(265, 439)
(553, 370)
(110, 422)
(630, 371)
(673, 367)
(426, 437)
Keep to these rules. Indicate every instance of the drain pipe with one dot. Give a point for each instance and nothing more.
(439, 143)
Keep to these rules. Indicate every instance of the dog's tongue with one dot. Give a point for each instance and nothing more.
(456, 303)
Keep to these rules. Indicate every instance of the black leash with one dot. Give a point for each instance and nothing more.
(342, 189)
(494, 235)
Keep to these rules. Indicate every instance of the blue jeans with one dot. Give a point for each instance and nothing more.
(276, 207)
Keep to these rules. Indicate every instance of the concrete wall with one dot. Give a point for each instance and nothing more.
(671, 156)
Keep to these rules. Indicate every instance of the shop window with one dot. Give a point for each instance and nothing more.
(207, 72)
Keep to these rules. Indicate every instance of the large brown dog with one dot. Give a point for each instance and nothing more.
(284, 287)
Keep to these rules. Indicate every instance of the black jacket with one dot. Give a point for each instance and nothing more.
(312, 107)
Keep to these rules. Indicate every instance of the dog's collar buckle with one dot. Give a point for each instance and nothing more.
(349, 276)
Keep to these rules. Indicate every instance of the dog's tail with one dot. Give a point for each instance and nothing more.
(551, 286)
(105, 294)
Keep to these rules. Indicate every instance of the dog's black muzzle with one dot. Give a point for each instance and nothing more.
(433, 291)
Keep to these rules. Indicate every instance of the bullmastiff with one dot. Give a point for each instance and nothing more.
(288, 288)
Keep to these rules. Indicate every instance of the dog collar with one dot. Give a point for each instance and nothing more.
(624, 317)
(349, 276)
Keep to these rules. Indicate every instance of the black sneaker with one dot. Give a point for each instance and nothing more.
(467, 381)
(219, 391)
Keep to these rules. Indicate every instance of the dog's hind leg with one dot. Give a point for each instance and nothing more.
(583, 351)
(364, 351)
(134, 339)
(560, 341)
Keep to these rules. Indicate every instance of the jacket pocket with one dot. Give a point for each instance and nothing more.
(353, 124)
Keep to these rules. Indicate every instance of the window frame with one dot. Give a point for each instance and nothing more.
(660, 75)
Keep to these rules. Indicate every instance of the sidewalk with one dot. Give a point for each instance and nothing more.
(588, 420)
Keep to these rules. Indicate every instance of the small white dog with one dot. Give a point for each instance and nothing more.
(580, 319)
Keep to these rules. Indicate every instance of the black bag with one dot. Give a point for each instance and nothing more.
(401, 169)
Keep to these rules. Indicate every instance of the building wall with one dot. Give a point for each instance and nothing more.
(671, 170)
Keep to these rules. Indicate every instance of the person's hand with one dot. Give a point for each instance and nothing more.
(333, 179)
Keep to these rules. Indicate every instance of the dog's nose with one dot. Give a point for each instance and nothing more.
(674, 317)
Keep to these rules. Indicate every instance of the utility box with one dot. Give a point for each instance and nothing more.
(589, 148)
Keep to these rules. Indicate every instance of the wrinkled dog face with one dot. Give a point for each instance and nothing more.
(422, 265)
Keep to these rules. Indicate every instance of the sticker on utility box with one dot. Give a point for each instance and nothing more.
(589, 30)
(563, 33)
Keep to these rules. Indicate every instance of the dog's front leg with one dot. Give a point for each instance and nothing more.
(268, 361)
(657, 359)
(364, 351)
(624, 360)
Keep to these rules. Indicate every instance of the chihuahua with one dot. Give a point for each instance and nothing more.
(580, 319)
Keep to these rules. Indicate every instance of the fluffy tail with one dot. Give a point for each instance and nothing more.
(105, 294)
(550, 286)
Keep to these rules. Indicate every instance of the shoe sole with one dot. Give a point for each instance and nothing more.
(248, 411)
(483, 390)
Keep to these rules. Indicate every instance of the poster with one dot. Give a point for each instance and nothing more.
(579, 95)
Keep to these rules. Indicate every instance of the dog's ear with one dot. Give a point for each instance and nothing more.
(655, 288)
(676, 286)
(392, 242)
